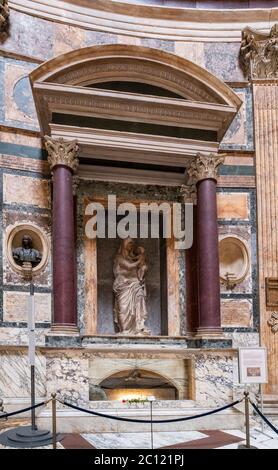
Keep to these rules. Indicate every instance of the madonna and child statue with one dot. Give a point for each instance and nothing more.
(130, 311)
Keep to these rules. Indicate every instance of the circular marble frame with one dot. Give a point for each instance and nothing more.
(241, 244)
(40, 242)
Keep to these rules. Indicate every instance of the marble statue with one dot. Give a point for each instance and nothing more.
(129, 288)
(26, 253)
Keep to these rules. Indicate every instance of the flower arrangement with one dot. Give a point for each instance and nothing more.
(135, 400)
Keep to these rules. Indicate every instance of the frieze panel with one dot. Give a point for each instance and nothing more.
(134, 69)
(103, 103)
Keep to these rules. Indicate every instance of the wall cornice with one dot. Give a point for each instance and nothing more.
(159, 22)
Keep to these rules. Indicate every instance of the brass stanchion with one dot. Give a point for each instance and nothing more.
(54, 436)
(247, 445)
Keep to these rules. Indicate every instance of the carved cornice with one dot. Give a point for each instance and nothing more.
(273, 322)
(189, 193)
(205, 167)
(153, 73)
(259, 53)
(109, 104)
(62, 152)
(150, 21)
(4, 15)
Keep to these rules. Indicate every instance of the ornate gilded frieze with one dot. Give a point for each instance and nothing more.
(62, 152)
(4, 15)
(259, 53)
(205, 166)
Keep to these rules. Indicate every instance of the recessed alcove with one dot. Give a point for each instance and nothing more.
(137, 384)
(234, 260)
(124, 378)
(156, 278)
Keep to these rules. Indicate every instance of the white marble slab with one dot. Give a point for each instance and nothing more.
(141, 440)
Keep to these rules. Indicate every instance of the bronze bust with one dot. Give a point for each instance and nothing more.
(26, 253)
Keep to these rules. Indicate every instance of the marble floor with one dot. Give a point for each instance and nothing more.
(261, 438)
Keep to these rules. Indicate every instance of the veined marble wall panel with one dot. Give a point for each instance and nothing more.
(240, 135)
(243, 339)
(18, 109)
(15, 307)
(222, 60)
(14, 336)
(30, 36)
(236, 313)
(26, 190)
(15, 374)
(66, 38)
(67, 374)
(233, 206)
(214, 379)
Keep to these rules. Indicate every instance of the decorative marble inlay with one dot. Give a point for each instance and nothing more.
(259, 53)
(205, 166)
(273, 322)
(62, 152)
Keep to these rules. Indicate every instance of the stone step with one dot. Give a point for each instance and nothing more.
(269, 399)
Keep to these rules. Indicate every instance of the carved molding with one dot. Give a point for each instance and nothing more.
(259, 53)
(189, 193)
(273, 322)
(205, 166)
(4, 14)
(62, 152)
(131, 106)
(154, 73)
(149, 21)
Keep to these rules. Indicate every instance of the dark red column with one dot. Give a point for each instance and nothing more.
(63, 249)
(63, 160)
(191, 279)
(208, 257)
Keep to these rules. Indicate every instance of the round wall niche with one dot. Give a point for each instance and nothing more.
(234, 261)
(39, 242)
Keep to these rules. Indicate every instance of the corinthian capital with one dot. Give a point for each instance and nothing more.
(205, 166)
(62, 152)
(259, 53)
(4, 14)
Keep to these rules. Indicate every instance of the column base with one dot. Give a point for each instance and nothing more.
(209, 333)
(63, 329)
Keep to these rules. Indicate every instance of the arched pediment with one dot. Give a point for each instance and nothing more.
(95, 64)
(133, 105)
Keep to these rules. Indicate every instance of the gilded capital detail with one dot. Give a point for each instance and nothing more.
(205, 166)
(4, 14)
(259, 53)
(62, 152)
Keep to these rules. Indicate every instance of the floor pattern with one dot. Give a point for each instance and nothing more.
(261, 438)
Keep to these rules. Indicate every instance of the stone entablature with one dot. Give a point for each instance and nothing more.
(259, 53)
(181, 24)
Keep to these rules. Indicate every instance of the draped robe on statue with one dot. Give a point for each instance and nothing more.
(129, 289)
